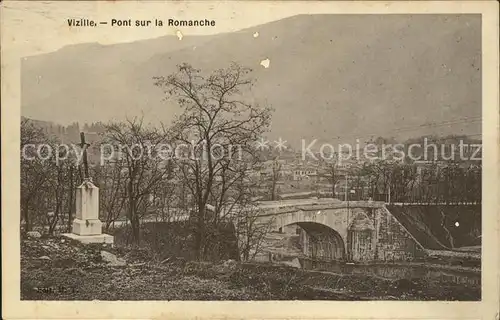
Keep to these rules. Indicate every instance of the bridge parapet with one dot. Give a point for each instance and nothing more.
(282, 207)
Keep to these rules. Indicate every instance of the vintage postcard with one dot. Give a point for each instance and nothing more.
(231, 160)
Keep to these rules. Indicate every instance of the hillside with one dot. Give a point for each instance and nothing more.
(372, 73)
(55, 269)
(441, 227)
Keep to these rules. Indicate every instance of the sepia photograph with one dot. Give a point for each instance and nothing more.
(294, 156)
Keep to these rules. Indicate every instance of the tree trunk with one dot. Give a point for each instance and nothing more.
(53, 223)
(273, 190)
(70, 201)
(200, 234)
(134, 220)
(135, 228)
(27, 222)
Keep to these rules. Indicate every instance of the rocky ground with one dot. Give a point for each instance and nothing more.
(58, 269)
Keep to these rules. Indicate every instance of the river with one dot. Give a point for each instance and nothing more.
(397, 271)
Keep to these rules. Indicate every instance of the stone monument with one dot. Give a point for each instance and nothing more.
(87, 228)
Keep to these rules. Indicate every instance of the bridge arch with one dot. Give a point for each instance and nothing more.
(320, 241)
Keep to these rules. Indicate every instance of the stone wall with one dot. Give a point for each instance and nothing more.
(375, 234)
(394, 243)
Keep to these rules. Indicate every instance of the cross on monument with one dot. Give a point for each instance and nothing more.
(86, 227)
(84, 145)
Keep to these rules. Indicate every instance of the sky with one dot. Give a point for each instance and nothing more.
(41, 27)
(35, 27)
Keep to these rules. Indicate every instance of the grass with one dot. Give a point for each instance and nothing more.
(57, 269)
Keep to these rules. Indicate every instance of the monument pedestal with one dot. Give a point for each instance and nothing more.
(87, 228)
(100, 238)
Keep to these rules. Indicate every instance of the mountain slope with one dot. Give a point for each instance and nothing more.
(329, 76)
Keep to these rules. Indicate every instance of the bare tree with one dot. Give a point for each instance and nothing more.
(168, 197)
(222, 129)
(275, 176)
(47, 179)
(56, 185)
(244, 212)
(402, 180)
(71, 195)
(331, 175)
(359, 174)
(144, 166)
(35, 170)
(111, 178)
(251, 230)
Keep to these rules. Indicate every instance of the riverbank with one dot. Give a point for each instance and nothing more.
(58, 269)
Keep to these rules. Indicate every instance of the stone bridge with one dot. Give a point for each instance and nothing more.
(330, 229)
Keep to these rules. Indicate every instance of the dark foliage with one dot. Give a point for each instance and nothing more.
(162, 240)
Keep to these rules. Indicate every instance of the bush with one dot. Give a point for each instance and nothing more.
(163, 240)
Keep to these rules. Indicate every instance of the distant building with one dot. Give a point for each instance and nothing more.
(304, 173)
